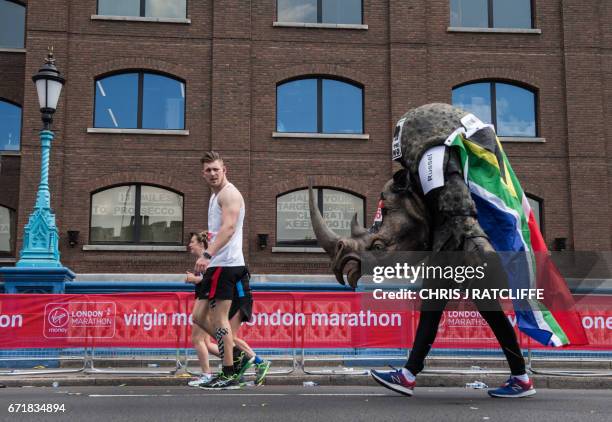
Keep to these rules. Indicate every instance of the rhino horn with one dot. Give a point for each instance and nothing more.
(327, 238)
(356, 229)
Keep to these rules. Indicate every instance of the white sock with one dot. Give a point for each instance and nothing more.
(523, 378)
(408, 375)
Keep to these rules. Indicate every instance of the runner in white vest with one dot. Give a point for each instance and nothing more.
(226, 278)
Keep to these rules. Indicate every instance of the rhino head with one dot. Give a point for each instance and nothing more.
(405, 227)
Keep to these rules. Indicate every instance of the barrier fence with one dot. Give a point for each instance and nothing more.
(85, 329)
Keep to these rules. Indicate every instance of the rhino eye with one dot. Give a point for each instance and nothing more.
(378, 246)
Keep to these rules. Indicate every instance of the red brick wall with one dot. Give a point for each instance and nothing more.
(232, 57)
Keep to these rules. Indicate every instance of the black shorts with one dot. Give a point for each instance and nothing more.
(243, 299)
(244, 305)
(221, 283)
(199, 290)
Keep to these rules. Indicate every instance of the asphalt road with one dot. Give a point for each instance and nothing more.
(304, 404)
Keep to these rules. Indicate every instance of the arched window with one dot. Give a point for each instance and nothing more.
(319, 105)
(12, 24)
(491, 13)
(510, 108)
(136, 214)
(7, 231)
(320, 11)
(10, 126)
(144, 8)
(139, 100)
(293, 226)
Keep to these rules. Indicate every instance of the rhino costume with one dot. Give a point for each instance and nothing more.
(425, 207)
(420, 130)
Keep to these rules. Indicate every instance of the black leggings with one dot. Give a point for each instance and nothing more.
(431, 312)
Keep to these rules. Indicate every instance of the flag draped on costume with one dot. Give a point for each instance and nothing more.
(507, 219)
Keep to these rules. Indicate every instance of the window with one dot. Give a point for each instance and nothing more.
(320, 11)
(139, 100)
(144, 8)
(510, 108)
(293, 226)
(12, 24)
(10, 126)
(136, 214)
(7, 231)
(491, 13)
(536, 205)
(319, 105)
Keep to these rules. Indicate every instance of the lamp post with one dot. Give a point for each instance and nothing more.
(40, 241)
(39, 269)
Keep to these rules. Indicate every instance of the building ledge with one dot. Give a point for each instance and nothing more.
(175, 132)
(8, 260)
(320, 25)
(320, 135)
(495, 30)
(135, 248)
(297, 249)
(12, 50)
(519, 140)
(139, 19)
(8, 152)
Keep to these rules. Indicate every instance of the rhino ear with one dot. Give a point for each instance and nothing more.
(401, 182)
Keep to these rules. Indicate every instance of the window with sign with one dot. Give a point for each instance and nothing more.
(139, 100)
(320, 11)
(319, 105)
(510, 108)
(10, 126)
(491, 13)
(138, 214)
(7, 231)
(12, 24)
(293, 227)
(144, 8)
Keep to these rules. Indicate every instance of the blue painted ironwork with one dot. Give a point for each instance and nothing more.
(36, 279)
(40, 243)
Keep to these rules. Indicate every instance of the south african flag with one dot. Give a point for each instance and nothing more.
(506, 217)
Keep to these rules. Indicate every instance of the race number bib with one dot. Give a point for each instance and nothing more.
(396, 145)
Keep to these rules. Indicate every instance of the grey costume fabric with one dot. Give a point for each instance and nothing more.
(451, 205)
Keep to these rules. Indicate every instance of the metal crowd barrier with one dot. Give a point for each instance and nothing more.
(114, 355)
(39, 361)
(124, 356)
(90, 359)
(596, 364)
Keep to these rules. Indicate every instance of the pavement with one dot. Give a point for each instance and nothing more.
(591, 379)
(273, 403)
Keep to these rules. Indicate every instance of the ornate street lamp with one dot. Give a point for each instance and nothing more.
(39, 269)
(40, 242)
(49, 85)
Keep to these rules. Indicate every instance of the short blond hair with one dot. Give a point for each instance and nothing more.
(210, 157)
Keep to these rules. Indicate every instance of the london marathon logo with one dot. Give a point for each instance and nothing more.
(80, 319)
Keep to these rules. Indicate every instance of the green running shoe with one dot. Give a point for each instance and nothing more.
(241, 367)
(261, 371)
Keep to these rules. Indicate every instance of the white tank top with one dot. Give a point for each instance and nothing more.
(231, 254)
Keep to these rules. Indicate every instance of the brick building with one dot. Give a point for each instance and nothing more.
(286, 90)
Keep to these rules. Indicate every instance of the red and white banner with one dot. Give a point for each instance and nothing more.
(280, 320)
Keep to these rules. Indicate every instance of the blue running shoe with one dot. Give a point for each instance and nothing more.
(514, 388)
(394, 380)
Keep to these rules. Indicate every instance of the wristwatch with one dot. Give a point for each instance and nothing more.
(207, 255)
